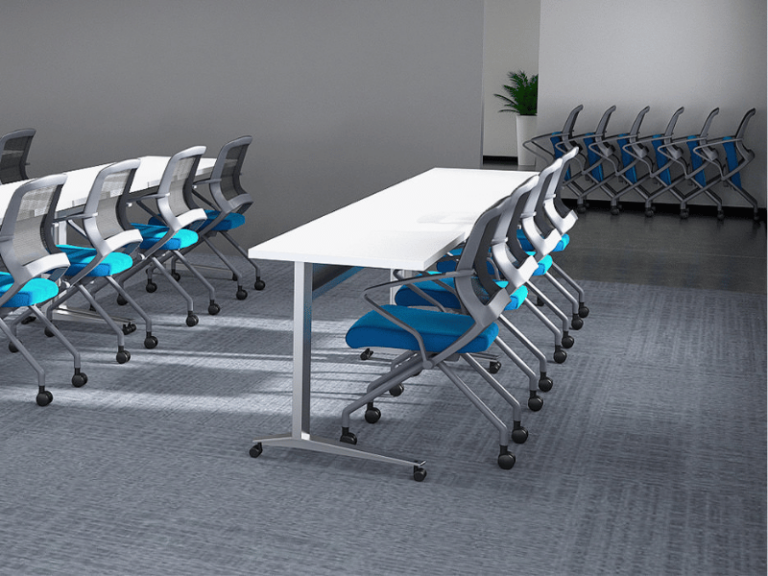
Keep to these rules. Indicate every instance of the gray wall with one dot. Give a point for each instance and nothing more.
(342, 97)
(511, 43)
(699, 54)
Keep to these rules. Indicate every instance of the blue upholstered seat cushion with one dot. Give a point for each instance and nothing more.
(152, 234)
(438, 330)
(80, 257)
(544, 265)
(35, 291)
(528, 247)
(230, 221)
(407, 297)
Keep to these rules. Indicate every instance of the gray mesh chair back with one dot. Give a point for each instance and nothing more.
(176, 185)
(14, 149)
(26, 235)
(101, 217)
(225, 186)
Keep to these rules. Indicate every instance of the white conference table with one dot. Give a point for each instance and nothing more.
(74, 193)
(408, 226)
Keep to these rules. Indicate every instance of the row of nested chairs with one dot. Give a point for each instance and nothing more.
(39, 272)
(650, 166)
(455, 310)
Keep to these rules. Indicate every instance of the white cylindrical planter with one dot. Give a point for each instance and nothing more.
(526, 129)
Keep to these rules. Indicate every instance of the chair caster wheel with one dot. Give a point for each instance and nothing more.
(720, 215)
(123, 356)
(150, 342)
(129, 328)
(121, 301)
(397, 390)
(568, 341)
(30, 319)
(519, 435)
(535, 403)
(259, 284)
(583, 311)
(241, 294)
(256, 450)
(12, 347)
(494, 367)
(506, 461)
(615, 210)
(581, 209)
(176, 276)
(545, 384)
(372, 414)
(560, 356)
(213, 309)
(649, 212)
(151, 286)
(419, 473)
(347, 437)
(192, 319)
(366, 354)
(576, 322)
(79, 379)
(684, 213)
(48, 333)
(44, 397)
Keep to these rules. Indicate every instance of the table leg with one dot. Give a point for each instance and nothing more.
(300, 412)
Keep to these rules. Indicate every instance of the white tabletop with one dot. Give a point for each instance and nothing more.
(408, 226)
(79, 182)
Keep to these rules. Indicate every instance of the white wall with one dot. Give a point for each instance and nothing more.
(699, 54)
(342, 97)
(511, 43)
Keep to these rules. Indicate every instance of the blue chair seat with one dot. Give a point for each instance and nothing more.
(152, 234)
(407, 297)
(229, 222)
(528, 247)
(80, 257)
(438, 330)
(33, 292)
(544, 265)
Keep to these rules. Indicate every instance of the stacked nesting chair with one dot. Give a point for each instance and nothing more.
(549, 147)
(26, 249)
(612, 152)
(692, 167)
(14, 150)
(552, 214)
(162, 242)
(587, 173)
(506, 274)
(660, 169)
(225, 209)
(433, 338)
(92, 268)
(639, 168)
(727, 156)
(551, 178)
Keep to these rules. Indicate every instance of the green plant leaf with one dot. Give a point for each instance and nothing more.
(521, 94)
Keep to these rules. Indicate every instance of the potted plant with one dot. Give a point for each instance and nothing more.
(521, 97)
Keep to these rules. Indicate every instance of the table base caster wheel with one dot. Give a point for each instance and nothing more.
(347, 437)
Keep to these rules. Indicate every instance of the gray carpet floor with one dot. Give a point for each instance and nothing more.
(648, 458)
